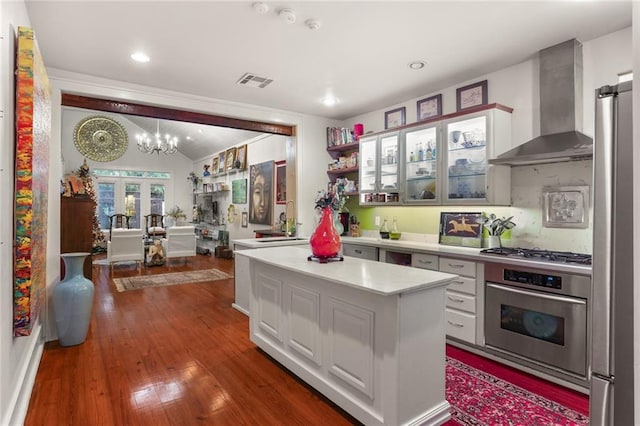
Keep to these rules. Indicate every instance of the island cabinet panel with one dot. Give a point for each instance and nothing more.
(303, 312)
(269, 309)
(350, 342)
(379, 356)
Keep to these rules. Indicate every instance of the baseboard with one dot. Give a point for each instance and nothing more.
(240, 308)
(19, 401)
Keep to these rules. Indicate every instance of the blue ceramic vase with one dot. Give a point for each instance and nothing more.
(72, 301)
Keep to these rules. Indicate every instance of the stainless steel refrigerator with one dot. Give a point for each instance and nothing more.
(611, 398)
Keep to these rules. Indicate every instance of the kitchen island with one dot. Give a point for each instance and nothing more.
(369, 336)
(241, 265)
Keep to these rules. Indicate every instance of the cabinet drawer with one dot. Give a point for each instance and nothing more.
(461, 325)
(363, 252)
(424, 261)
(458, 267)
(463, 285)
(461, 301)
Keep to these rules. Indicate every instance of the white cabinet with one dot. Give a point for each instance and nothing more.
(439, 162)
(461, 301)
(471, 140)
(379, 169)
(363, 252)
(421, 169)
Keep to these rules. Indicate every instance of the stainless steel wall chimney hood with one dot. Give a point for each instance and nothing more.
(560, 137)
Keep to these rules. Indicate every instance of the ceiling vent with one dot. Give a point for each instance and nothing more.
(253, 80)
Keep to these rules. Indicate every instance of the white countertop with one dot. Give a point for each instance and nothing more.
(466, 253)
(270, 242)
(368, 275)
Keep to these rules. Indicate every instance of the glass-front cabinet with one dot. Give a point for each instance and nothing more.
(379, 169)
(421, 165)
(440, 162)
(470, 141)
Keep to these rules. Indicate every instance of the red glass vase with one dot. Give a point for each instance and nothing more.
(325, 240)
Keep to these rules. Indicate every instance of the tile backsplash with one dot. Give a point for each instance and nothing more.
(527, 183)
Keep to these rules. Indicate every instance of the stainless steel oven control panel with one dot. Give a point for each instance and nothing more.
(538, 279)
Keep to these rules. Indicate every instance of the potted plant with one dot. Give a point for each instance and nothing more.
(495, 227)
(174, 214)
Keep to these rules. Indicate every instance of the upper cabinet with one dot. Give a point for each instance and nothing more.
(380, 170)
(470, 141)
(440, 161)
(421, 165)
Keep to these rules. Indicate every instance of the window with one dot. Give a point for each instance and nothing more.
(106, 203)
(132, 204)
(156, 195)
(135, 193)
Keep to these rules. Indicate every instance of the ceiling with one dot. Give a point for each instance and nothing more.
(360, 54)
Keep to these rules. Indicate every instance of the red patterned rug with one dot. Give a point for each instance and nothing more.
(480, 398)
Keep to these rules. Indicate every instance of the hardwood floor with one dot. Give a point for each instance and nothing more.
(175, 355)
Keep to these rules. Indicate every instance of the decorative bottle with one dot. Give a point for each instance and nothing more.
(420, 152)
(394, 234)
(384, 230)
(72, 301)
(429, 152)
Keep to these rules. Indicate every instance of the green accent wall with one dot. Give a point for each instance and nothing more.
(419, 220)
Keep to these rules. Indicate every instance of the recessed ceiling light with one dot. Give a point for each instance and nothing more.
(313, 24)
(288, 16)
(260, 7)
(140, 57)
(417, 65)
(329, 101)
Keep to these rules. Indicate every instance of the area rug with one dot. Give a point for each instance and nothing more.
(173, 278)
(479, 398)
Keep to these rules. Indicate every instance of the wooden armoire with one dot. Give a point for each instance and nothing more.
(76, 227)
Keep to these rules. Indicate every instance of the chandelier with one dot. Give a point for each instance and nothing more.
(161, 143)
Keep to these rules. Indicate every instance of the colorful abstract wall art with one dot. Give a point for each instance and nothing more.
(33, 131)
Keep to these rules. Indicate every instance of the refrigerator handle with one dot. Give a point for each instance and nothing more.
(601, 402)
(603, 186)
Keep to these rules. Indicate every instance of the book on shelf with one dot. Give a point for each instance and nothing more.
(339, 136)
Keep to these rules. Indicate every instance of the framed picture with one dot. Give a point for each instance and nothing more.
(221, 164)
(429, 107)
(565, 206)
(241, 157)
(239, 191)
(260, 190)
(215, 165)
(230, 158)
(245, 219)
(472, 95)
(281, 182)
(461, 229)
(395, 117)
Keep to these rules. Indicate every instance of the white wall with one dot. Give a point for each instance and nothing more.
(263, 148)
(177, 190)
(19, 356)
(517, 86)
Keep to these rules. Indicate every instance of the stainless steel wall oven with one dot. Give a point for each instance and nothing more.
(539, 316)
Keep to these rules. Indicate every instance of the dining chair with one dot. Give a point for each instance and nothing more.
(118, 221)
(154, 225)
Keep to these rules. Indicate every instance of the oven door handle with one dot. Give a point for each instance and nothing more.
(538, 294)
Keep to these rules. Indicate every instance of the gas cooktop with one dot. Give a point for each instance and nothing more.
(542, 255)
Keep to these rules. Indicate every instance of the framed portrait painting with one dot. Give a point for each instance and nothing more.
(472, 95)
(215, 165)
(241, 157)
(221, 162)
(429, 107)
(260, 193)
(230, 158)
